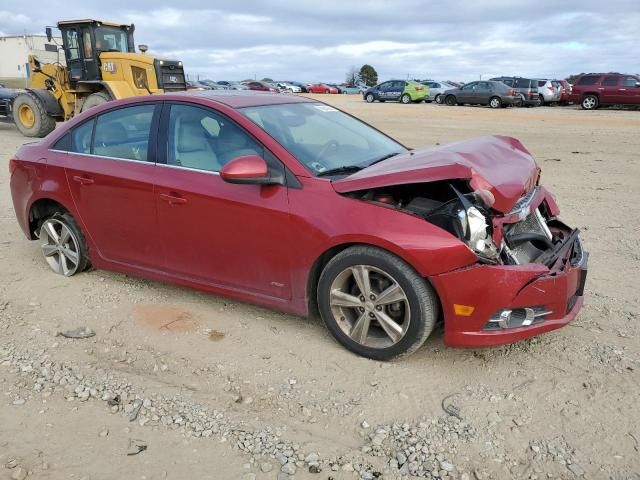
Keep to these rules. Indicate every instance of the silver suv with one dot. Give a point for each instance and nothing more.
(548, 92)
(436, 89)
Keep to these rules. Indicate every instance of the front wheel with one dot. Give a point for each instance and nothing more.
(31, 117)
(375, 304)
(369, 98)
(405, 98)
(589, 102)
(450, 100)
(438, 98)
(95, 99)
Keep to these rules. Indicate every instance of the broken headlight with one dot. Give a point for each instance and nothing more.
(476, 229)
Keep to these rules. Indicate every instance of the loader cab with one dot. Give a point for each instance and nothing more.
(84, 40)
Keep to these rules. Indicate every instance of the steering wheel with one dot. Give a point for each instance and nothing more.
(326, 148)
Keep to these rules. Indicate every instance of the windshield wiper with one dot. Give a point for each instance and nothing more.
(386, 157)
(344, 169)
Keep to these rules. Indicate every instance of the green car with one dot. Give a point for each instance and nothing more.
(403, 90)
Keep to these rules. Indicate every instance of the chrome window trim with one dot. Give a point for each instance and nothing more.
(145, 162)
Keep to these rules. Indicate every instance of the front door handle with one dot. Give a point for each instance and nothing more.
(83, 180)
(173, 199)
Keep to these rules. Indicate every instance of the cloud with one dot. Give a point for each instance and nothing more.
(312, 41)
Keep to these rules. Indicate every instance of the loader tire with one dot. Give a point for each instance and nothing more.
(95, 99)
(31, 117)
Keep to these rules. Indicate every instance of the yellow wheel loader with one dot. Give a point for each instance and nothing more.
(100, 65)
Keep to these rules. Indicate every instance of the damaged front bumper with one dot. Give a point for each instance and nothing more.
(495, 304)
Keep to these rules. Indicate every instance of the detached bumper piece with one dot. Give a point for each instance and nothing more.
(514, 302)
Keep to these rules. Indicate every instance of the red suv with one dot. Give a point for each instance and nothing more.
(592, 90)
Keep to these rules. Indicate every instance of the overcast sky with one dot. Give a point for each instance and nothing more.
(320, 40)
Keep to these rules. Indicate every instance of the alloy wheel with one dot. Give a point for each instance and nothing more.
(370, 306)
(589, 103)
(60, 247)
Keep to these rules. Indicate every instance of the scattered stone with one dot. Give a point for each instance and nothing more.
(315, 469)
(19, 473)
(78, 333)
(19, 401)
(249, 476)
(136, 446)
(289, 468)
(266, 467)
(312, 458)
(103, 433)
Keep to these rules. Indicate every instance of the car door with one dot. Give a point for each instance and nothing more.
(483, 93)
(629, 91)
(609, 89)
(234, 236)
(382, 90)
(396, 90)
(465, 93)
(110, 170)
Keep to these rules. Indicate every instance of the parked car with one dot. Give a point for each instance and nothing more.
(404, 91)
(303, 86)
(548, 91)
(321, 88)
(593, 90)
(352, 89)
(436, 89)
(262, 86)
(237, 86)
(288, 87)
(214, 85)
(307, 208)
(6, 98)
(565, 89)
(484, 92)
(526, 88)
(197, 85)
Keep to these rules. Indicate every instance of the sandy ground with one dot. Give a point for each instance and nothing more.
(563, 405)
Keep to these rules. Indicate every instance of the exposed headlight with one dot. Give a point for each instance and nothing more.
(475, 228)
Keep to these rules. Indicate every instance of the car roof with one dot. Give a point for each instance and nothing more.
(242, 98)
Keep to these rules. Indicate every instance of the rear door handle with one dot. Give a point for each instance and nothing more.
(173, 199)
(83, 180)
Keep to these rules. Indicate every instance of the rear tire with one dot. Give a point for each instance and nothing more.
(31, 117)
(95, 99)
(540, 101)
(405, 98)
(450, 100)
(391, 327)
(63, 245)
(495, 102)
(590, 102)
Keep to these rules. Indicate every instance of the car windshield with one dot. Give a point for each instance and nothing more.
(322, 137)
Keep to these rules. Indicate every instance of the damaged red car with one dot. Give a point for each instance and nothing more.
(290, 203)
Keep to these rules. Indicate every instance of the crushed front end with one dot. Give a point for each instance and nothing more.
(531, 267)
(530, 279)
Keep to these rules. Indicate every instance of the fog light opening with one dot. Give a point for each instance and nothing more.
(517, 317)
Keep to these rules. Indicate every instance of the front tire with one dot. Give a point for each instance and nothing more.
(406, 99)
(95, 99)
(438, 98)
(31, 117)
(589, 102)
(375, 304)
(63, 245)
(369, 98)
(495, 102)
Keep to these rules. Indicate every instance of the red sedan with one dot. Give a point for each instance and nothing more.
(289, 203)
(262, 87)
(321, 88)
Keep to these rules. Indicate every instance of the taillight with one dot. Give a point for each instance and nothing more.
(419, 87)
(512, 93)
(12, 166)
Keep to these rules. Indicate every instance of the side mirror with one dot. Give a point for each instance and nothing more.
(637, 84)
(49, 34)
(249, 169)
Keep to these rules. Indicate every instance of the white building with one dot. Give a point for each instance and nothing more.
(14, 52)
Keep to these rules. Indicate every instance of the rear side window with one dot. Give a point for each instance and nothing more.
(124, 133)
(629, 81)
(81, 138)
(588, 80)
(610, 81)
(542, 83)
(523, 83)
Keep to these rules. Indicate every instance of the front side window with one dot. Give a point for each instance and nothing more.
(322, 137)
(72, 44)
(610, 81)
(111, 39)
(124, 133)
(629, 81)
(202, 139)
(470, 86)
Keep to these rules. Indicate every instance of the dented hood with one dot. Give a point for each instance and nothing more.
(499, 164)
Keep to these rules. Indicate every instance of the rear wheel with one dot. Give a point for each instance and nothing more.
(405, 98)
(540, 100)
(63, 245)
(495, 102)
(375, 304)
(369, 98)
(95, 99)
(31, 117)
(450, 100)
(589, 102)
